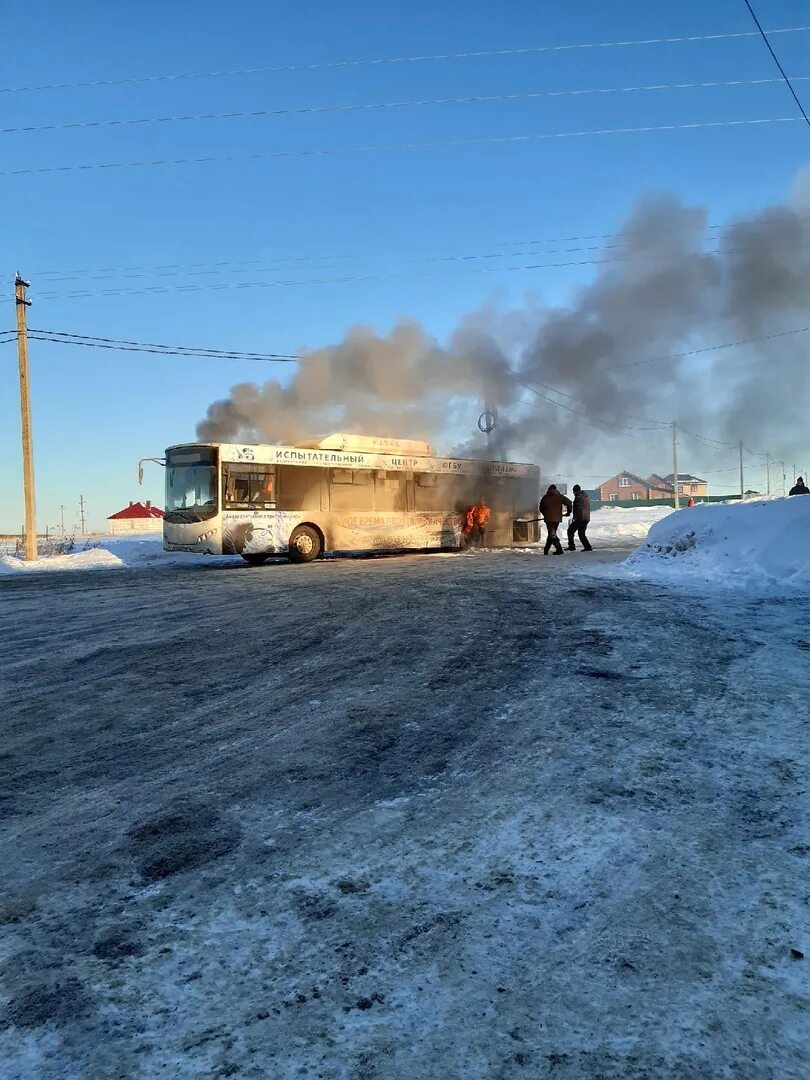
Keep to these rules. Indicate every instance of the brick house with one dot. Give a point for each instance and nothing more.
(136, 518)
(690, 486)
(626, 486)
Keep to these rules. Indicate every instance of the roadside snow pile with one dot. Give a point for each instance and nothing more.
(623, 523)
(110, 553)
(754, 544)
(91, 559)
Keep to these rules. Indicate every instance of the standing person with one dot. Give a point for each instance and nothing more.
(799, 488)
(580, 519)
(482, 516)
(551, 511)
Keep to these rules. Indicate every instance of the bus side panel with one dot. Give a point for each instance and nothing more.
(380, 531)
(259, 532)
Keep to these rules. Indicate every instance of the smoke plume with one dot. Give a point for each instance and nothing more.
(669, 282)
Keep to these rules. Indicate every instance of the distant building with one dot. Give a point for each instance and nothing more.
(689, 485)
(136, 518)
(626, 486)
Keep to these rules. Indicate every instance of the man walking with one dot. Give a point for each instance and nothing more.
(579, 520)
(799, 488)
(551, 511)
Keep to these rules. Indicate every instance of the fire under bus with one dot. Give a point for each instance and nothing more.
(341, 493)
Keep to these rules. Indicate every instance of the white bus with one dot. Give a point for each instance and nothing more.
(341, 493)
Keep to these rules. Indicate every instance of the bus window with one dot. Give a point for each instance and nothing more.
(390, 491)
(249, 487)
(432, 492)
(351, 489)
(300, 487)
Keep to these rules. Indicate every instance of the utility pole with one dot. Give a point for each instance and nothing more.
(767, 474)
(82, 505)
(62, 518)
(25, 419)
(784, 479)
(675, 465)
(742, 481)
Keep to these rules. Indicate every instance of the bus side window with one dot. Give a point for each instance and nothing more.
(351, 489)
(300, 487)
(252, 488)
(390, 491)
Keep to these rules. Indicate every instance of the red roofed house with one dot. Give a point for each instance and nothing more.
(628, 486)
(136, 518)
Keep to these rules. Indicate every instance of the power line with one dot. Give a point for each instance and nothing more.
(393, 147)
(153, 290)
(162, 352)
(103, 273)
(587, 416)
(378, 61)
(472, 99)
(60, 337)
(581, 401)
(83, 338)
(712, 348)
(788, 83)
(63, 337)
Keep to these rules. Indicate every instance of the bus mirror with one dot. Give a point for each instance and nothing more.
(140, 473)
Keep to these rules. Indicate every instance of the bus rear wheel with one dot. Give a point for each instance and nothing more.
(255, 560)
(305, 544)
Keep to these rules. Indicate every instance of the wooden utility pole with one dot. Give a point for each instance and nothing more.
(675, 484)
(25, 419)
(742, 481)
(768, 474)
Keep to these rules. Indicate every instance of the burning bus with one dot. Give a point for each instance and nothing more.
(340, 493)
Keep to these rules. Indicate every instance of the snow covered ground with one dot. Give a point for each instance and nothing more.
(763, 544)
(609, 526)
(412, 818)
(105, 553)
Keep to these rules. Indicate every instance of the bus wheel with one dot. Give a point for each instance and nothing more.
(305, 544)
(255, 560)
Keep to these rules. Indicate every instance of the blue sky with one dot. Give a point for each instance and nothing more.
(95, 414)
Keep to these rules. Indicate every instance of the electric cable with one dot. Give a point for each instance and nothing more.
(776, 60)
(381, 105)
(377, 61)
(386, 148)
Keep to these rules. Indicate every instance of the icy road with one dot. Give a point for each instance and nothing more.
(475, 816)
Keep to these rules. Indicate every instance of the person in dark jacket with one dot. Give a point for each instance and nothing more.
(579, 520)
(799, 488)
(551, 511)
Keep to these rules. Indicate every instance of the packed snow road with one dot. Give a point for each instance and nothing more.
(481, 816)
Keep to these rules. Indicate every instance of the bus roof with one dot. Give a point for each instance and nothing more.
(301, 454)
(369, 444)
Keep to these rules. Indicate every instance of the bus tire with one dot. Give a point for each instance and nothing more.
(255, 560)
(305, 544)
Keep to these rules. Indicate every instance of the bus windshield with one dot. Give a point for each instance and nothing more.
(191, 481)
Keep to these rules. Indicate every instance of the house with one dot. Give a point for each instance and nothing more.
(689, 485)
(626, 486)
(136, 518)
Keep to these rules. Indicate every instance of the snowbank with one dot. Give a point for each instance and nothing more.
(619, 523)
(753, 544)
(107, 553)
